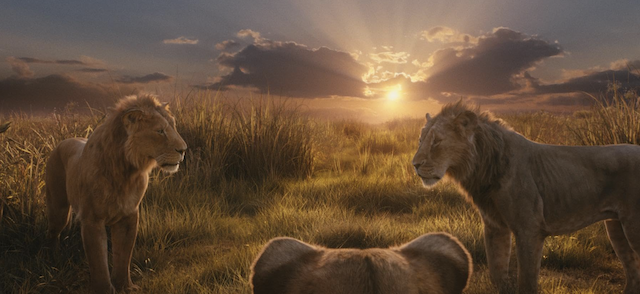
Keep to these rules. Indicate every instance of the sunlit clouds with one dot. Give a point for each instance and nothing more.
(508, 55)
(181, 41)
(227, 45)
(291, 69)
(491, 68)
(447, 35)
(389, 56)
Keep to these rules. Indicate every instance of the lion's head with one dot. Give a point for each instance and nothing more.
(151, 135)
(446, 143)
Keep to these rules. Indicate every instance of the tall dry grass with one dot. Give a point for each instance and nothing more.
(614, 120)
(253, 140)
(256, 170)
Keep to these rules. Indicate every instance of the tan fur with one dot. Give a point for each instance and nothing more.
(103, 180)
(430, 264)
(533, 190)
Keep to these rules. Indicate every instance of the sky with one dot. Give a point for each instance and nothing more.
(373, 60)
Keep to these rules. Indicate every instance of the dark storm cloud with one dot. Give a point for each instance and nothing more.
(291, 69)
(492, 66)
(150, 78)
(54, 91)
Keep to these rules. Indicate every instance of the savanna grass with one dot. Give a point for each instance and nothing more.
(255, 170)
(614, 120)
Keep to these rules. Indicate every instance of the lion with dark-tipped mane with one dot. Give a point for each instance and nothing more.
(103, 179)
(533, 190)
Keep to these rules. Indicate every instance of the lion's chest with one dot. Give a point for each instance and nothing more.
(127, 201)
(113, 201)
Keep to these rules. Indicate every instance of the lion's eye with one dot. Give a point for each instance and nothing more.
(161, 132)
(436, 142)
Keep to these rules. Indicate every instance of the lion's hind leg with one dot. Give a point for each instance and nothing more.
(624, 249)
(58, 208)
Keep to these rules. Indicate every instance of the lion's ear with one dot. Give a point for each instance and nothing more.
(466, 122)
(442, 252)
(131, 117)
(428, 116)
(467, 119)
(277, 264)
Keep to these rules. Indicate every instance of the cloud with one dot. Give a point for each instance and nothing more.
(20, 68)
(20, 65)
(446, 35)
(246, 33)
(227, 45)
(92, 70)
(390, 57)
(493, 68)
(495, 65)
(54, 91)
(181, 41)
(291, 69)
(594, 83)
(625, 64)
(60, 62)
(150, 78)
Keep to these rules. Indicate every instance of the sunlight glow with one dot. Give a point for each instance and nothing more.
(394, 93)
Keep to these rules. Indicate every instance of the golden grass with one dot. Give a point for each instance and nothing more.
(258, 170)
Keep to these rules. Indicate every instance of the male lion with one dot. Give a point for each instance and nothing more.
(104, 179)
(533, 190)
(432, 263)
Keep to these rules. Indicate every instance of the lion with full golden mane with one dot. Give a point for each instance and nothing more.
(533, 190)
(435, 263)
(103, 179)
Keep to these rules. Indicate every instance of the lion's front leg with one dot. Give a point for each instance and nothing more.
(497, 242)
(529, 249)
(94, 240)
(123, 237)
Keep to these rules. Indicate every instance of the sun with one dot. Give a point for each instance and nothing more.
(394, 93)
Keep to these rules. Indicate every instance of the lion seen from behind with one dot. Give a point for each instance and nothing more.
(434, 263)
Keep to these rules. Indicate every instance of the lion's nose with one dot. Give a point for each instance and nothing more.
(417, 165)
(181, 151)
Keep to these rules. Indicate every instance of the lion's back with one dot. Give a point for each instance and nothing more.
(62, 159)
(65, 154)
